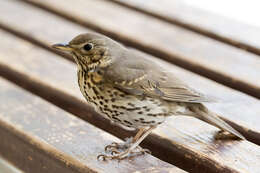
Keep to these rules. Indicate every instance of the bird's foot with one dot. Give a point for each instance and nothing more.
(116, 155)
(128, 149)
(120, 151)
(141, 151)
(224, 135)
(119, 146)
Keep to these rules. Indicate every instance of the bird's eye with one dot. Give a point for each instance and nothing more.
(88, 47)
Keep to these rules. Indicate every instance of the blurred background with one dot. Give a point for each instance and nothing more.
(243, 11)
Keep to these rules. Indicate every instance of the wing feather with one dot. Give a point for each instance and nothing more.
(141, 76)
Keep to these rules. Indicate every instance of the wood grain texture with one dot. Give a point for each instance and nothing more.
(230, 109)
(182, 141)
(223, 63)
(40, 137)
(180, 13)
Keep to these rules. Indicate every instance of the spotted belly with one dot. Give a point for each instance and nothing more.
(128, 111)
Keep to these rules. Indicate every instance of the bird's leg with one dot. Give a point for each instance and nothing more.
(114, 147)
(140, 136)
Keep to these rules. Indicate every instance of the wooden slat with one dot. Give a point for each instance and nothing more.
(230, 110)
(7, 167)
(223, 63)
(39, 137)
(185, 142)
(181, 13)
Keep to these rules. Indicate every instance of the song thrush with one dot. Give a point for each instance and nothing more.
(133, 91)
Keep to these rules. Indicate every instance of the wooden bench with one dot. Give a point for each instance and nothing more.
(42, 136)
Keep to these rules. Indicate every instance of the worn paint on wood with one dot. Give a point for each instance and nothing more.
(39, 137)
(190, 143)
(230, 109)
(172, 43)
(181, 13)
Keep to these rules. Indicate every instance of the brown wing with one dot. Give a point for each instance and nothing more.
(140, 76)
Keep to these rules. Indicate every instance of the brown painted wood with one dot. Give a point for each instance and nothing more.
(182, 141)
(7, 167)
(180, 13)
(229, 109)
(39, 137)
(231, 66)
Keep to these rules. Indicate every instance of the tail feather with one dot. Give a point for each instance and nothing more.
(212, 118)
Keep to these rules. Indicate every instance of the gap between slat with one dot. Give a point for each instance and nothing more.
(159, 144)
(191, 27)
(196, 68)
(250, 135)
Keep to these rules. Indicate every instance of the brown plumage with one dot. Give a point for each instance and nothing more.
(133, 91)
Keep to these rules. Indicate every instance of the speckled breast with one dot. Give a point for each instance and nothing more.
(129, 111)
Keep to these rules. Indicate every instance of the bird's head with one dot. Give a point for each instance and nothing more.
(91, 50)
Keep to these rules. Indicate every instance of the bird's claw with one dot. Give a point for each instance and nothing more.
(101, 157)
(116, 146)
(116, 155)
(114, 152)
(104, 157)
(113, 145)
(120, 151)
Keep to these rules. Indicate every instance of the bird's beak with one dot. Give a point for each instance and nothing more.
(62, 47)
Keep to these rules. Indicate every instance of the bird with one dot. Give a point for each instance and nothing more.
(133, 91)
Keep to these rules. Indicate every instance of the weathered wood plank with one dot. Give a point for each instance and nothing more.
(230, 109)
(7, 167)
(39, 137)
(223, 63)
(185, 142)
(181, 13)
